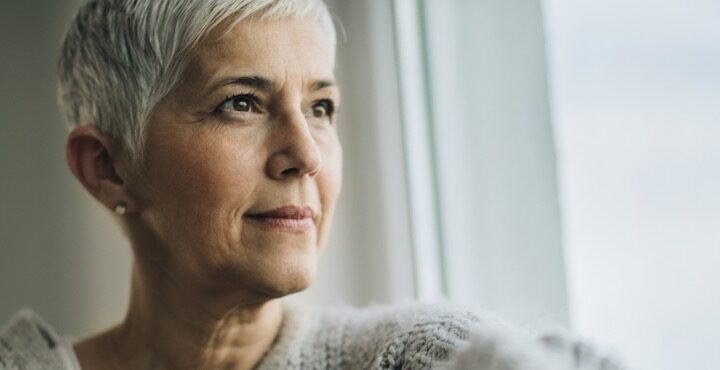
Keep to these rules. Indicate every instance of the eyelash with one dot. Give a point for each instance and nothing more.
(330, 105)
(250, 96)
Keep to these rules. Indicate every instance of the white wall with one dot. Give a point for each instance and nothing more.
(636, 89)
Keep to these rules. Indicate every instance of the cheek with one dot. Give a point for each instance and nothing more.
(330, 177)
(330, 185)
(335, 173)
(210, 172)
(202, 183)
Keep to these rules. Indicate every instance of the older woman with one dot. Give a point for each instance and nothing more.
(208, 127)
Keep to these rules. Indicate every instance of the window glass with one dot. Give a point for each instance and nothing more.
(636, 87)
(495, 158)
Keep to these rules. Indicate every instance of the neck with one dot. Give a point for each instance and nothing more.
(171, 326)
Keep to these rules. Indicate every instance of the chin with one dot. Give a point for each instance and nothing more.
(292, 275)
(290, 285)
(296, 286)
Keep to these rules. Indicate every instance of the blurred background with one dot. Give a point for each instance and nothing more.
(556, 162)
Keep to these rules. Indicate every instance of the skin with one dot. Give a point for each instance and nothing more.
(207, 278)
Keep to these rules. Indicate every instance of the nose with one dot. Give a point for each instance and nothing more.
(296, 152)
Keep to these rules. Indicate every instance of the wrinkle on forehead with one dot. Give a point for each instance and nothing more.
(280, 50)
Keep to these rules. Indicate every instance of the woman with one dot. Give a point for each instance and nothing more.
(208, 127)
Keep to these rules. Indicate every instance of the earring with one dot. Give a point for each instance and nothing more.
(121, 208)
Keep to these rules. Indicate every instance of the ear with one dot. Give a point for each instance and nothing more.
(97, 163)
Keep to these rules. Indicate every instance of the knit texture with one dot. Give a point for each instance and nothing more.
(419, 337)
(401, 337)
(410, 336)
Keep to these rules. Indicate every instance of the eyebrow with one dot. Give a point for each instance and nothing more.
(321, 84)
(255, 82)
(262, 83)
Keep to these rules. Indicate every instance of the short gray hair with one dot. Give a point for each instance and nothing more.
(121, 57)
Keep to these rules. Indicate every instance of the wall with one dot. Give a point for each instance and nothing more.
(43, 220)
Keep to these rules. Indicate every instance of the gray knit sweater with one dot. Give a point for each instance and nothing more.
(418, 337)
(409, 336)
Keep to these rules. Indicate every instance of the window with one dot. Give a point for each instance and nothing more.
(635, 87)
(491, 138)
(574, 166)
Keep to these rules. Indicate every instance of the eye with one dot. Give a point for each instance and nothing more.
(322, 109)
(238, 103)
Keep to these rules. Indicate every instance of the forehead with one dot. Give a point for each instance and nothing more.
(278, 50)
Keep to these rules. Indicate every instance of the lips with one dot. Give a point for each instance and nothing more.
(286, 212)
(292, 219)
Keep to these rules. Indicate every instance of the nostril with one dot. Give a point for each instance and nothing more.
(291, 172)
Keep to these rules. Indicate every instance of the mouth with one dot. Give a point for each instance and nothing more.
(293, 219)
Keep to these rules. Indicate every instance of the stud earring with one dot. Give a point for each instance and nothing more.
(121, 208)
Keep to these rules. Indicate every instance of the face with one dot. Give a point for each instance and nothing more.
(242, 163)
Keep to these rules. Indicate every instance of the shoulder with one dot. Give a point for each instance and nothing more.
(405, 336)
(431, 336)
(505, 347)
(26, 341)
(418, 336)
(412, 321)
(409, 335)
